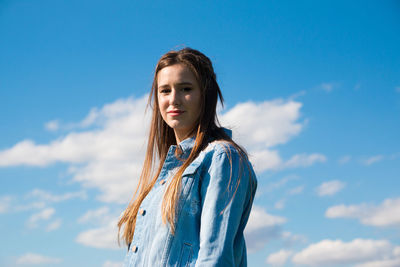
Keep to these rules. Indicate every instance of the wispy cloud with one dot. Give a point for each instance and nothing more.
(397, 89)
(328, 86)
(278, 184)
(36, 199)
(100, 215)
(371, 160)
(108, 153)
(39, 218)
(261, 228)
(280, 204)
(279, 258)
(104, 231)
(5, 204)
(107, 158)
(104, 237)
(297, 95)
(385, 214)
(112, 264)
(392, 261)
(296, 190)
(266, 159)
(51, 198)
(345, 159)
(54, 225)
(304, 160)
(330, 188)
(261, 126)
(36, 259)
(52, 126)
(336, 252)
(268, 123)
(43, 215)
(289, 239)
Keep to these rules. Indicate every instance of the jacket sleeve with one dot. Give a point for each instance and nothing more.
(227, 192)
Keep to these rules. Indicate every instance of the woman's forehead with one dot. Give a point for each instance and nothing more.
(175, 74)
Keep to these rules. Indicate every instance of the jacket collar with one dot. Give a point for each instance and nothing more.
(187, 144)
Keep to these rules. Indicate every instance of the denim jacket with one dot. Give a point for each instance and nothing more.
(217, 192)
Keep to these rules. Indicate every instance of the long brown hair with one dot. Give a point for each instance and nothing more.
(161, 137)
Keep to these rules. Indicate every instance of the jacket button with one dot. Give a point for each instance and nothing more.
(162, 182)
(134, 248)
(142, 211)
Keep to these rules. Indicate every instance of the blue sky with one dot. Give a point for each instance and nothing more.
(312, 91)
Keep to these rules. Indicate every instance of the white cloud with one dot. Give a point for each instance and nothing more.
(33, 259)
(43, 215)
(393, 262)
(108, 151)
(259, 219)
(279, 258)
(112, 264)
(5, 204)
(49, 197)
(278, 184)
(296, 190)
(394, 156)
(336, 252)
(261, 126)
(280, 204)
(304, 160)
(261, 228)
(345, 159)
(330, 188)
(385, 214)
(328, 86)
(30, 206)
(372, 160)
(99, 215)
(270, 160)
(108, 157)
(265, 160)
(268, 123)
(105, 236)
(36, 199)
(297, 95)
(52, 126)
(291, 239)
(54, 225)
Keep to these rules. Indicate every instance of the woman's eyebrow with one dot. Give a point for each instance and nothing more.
(184, 83)
(179, 84)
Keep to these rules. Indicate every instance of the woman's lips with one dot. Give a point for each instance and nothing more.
(175, 113)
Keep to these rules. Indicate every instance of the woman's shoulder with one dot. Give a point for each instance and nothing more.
(220, 151)
(218, 147)
(225, 158)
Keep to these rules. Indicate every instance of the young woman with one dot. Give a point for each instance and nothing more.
(197, 186)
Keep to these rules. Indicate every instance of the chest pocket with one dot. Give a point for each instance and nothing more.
(185, 256)
(189, 176)
(191, 169)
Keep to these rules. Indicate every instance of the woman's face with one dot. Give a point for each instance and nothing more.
(179, 99)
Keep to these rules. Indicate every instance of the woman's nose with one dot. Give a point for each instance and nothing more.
(174, 98)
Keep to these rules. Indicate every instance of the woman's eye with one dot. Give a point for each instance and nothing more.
(187, 89)
(165, 91)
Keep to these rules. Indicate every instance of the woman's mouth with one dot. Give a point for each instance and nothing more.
(174, 113)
